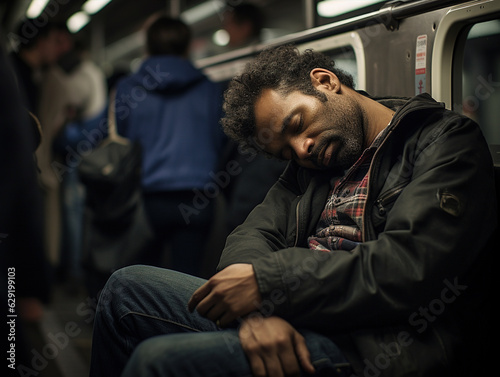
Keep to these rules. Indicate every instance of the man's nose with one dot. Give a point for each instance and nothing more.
(303, 147)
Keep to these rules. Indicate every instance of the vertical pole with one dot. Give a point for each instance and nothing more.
(174, 8)
(310, 13)
(97, 43)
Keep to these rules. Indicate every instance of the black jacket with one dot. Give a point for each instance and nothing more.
(397, 304)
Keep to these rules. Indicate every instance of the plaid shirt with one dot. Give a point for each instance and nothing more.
(340, 224)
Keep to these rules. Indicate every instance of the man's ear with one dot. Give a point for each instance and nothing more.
(325, 79)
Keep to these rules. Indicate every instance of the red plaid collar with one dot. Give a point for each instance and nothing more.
(340, 224)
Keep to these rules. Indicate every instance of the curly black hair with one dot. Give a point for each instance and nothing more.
(281, 68)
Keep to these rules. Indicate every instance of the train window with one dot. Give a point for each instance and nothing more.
(480, 75)
(348, 53)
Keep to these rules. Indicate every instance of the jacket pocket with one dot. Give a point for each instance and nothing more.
(384, 203)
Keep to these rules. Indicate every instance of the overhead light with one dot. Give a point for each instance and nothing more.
(94, 6)
(220, 37)
(36, 8)
(77, 21)
(202, 11)
(332, 8)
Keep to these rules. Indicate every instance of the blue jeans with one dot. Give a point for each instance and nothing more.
(143, 328)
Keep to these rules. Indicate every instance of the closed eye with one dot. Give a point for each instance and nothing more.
(300, 126)
(292, 127)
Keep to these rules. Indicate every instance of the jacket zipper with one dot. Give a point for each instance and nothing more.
(297, 223)
(394, 123)
(368, 184)
(388, 197)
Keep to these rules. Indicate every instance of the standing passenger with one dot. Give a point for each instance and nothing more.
(173, 110)
(50, 109)
(36, 48)
(84, 98)
(21, 252)
(243, 23)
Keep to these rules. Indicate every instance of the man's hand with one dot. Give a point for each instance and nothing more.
(229, 294)
(274, 348)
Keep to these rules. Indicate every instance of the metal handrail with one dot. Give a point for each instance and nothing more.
(390, 14)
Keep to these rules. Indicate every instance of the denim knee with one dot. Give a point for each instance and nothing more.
(120, 282)
(130, 277)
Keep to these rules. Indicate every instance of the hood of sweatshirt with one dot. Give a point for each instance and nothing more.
(166, 74)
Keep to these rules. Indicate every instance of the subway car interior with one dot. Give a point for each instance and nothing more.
(447, 48)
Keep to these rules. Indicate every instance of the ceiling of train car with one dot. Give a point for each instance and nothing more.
(113, 34)
(120, 20)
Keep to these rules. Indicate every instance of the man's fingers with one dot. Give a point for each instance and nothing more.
(275, 343)
(197, 296)
(214, 313)
(303, 353)
(272, 365)
(289, 362)
(257, 366)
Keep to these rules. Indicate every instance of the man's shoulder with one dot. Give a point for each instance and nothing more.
(423, 111)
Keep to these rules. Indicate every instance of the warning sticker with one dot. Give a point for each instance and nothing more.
(420, 64)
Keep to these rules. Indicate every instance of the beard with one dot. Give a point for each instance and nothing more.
(345, 131)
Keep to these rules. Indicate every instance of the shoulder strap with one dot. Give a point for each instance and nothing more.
(111, 114)
(112, 132)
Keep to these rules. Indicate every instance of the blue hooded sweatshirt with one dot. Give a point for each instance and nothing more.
(173, 110)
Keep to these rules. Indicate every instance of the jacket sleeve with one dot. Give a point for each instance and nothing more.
(264, 231)
(434, 233)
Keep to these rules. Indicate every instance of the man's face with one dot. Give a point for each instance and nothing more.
(55, 45)
(48, 48)
(316, 134)
(239, 32)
